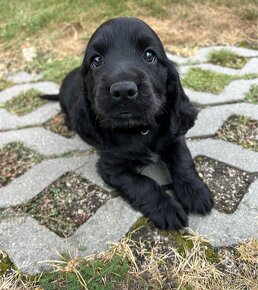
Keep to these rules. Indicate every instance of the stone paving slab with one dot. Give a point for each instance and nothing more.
(39, 116)
(202, 54)
(37, 244)
(249, 68)
(225, 152)
(14, 91)
(23, 77)
(233, 92)
(33, 181)
(44, 141)
(89, 172)
(224, 229)
(210, 119)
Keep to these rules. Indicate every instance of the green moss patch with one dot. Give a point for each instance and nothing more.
(5, 263)
(252, 95)
(15, 159)
(208, 81)
(4, 84)
(227, 183)
(240, 130)
(25, 102)
(96, 274)
(227, 58)
(57, 125)
(66, 204)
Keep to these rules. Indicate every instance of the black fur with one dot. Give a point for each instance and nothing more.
(115, 127)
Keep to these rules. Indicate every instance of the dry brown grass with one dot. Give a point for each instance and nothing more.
(183, 27)
(190, 269)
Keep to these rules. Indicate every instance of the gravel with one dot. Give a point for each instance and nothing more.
(66, 204)
(227, 183)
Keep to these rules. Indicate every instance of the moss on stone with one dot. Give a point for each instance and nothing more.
(25, 102)
(252, 95)
(5, 84)
(225, 57)
(139, 223)
(5, 263)
(209, 81)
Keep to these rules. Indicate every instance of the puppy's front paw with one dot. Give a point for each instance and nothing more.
(195, 199)
(168, 214)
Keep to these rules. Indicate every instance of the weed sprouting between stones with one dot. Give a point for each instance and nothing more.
(25, 102)
(5, 84)
(227, 58)
(209, 81)
(252, 95)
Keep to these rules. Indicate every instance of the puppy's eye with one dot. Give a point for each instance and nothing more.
(97, 61)
(149, 56)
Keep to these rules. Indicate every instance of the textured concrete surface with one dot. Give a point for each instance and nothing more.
(210, 119)
(233, 92)
(28, 243)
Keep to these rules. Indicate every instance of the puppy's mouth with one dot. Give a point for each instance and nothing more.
(124, 120)
(125, 114)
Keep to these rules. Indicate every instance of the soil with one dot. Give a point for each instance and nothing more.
(66, 204)
(57, 125)
(15, 159)
(228, 184)
(240, 130)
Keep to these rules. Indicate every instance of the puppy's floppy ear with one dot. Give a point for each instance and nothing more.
(182, 112)
(83, 119)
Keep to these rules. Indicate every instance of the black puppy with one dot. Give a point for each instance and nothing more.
(126, 99)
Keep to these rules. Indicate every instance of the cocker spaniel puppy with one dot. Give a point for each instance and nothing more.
(127, 101)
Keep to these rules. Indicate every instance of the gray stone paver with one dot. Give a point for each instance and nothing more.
(32, 182)
(23, 77)
(39, 116)
(212, 118)
(202, 54)
(229, 153)
(37, 244)
(43, 141)
(225, 230)
(28, 243)
(89, 172)
(44, 87)
(249, 68)
(234, 91)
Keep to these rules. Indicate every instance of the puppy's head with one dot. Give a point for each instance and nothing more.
(127, 76)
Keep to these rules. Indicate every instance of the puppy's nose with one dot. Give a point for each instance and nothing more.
(125, 90)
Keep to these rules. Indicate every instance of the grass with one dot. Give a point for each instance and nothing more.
(25, 102)
(64, 27)
(95, 274)
(208, 81)
(227, 58)
(131, 265)
(53, 68)
(252, 95)
(4, 84)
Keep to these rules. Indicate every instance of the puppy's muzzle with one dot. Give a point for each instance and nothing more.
(123, 91)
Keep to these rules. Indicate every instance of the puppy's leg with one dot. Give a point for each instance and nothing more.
(190, 190)
(143, 193)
